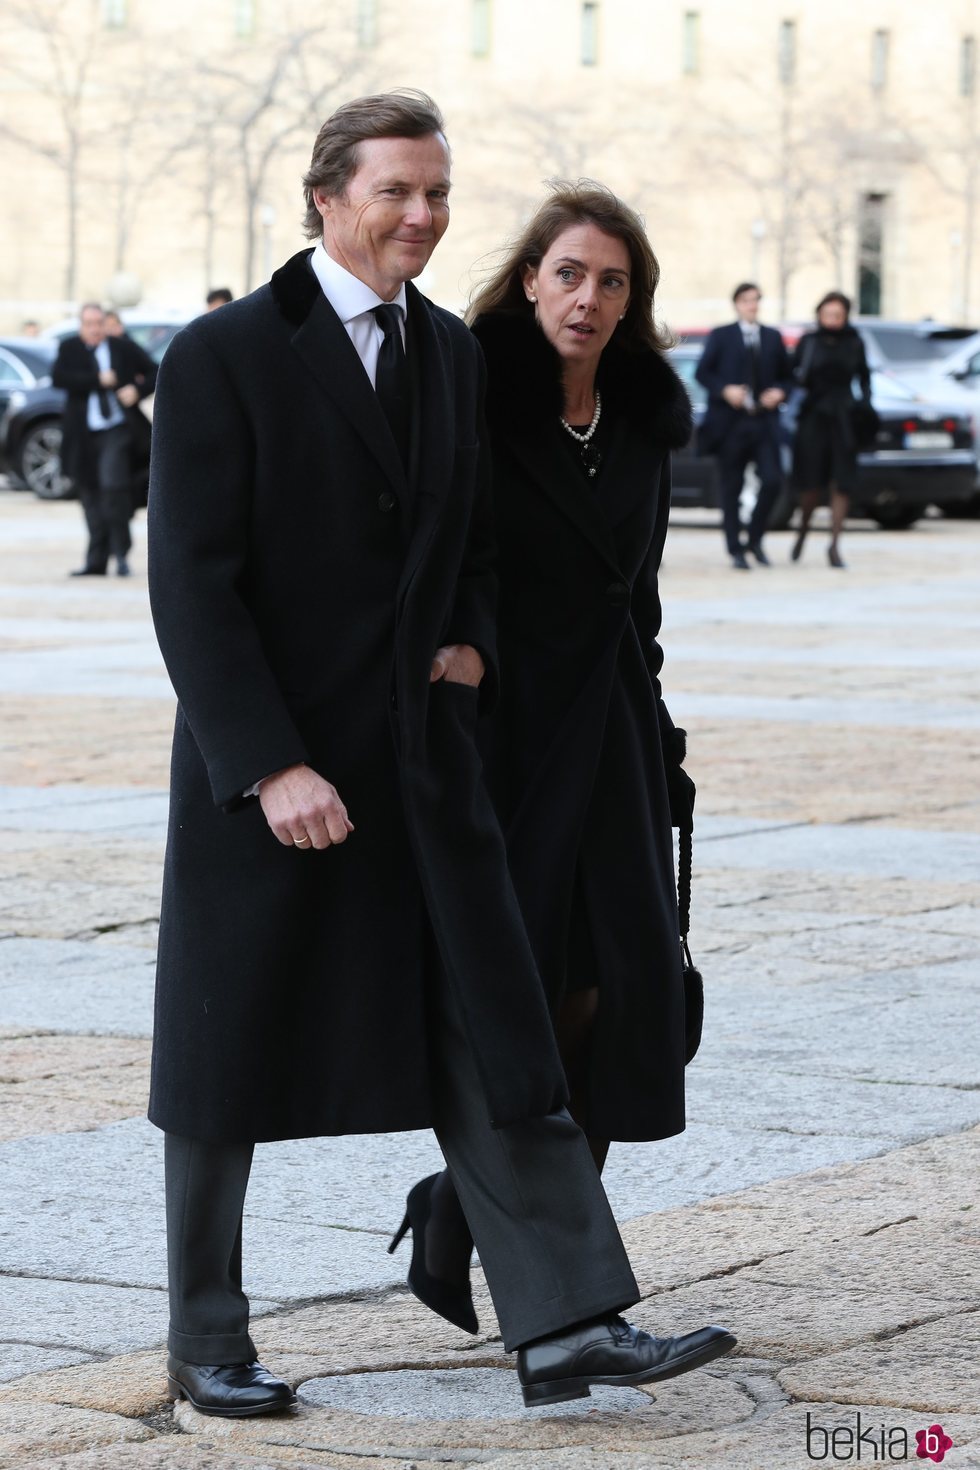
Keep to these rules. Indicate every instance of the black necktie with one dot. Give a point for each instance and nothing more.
(753, 346)
(391, 379)
(101, 393)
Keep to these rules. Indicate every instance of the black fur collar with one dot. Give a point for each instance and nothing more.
(524, 382)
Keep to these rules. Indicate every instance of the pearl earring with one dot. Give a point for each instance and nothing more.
(532, 299)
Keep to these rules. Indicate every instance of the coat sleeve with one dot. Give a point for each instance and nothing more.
(474, 614)
(143, 367)
(198, 532)
(647, 618)
(83, 378)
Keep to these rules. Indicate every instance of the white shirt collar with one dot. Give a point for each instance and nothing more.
(348, 295)
(749, 329)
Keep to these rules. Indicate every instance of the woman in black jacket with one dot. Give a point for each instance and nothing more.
(581, 757)
(832, 422)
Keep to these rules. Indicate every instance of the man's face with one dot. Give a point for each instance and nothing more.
(91, 326)
(393, 214)
(747, 305)
(113, 325)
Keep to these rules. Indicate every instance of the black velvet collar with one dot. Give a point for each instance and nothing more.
(524, 381)
(295, 287)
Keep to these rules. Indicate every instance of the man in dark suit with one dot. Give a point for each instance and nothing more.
(746, 370)
(340, 948)
(105, 377)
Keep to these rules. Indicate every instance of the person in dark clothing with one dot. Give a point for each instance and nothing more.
(746, 371)
(351, 957)
(582, 759)
(105, 378)
(827, 363)
(220, 296)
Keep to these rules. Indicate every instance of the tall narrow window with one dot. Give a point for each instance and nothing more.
(968, 66)
(871, 252)
(114, 14)
(244, 19)
(590, 34)
(480, 27)
(787, 52)
(691, 43)
(880, 46)
(367, 22)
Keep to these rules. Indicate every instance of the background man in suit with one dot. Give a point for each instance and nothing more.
(322, 589)
(105, 378)
(746, 371)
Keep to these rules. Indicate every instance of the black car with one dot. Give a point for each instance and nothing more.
(25, 362)
(30, 429)
(924, 453)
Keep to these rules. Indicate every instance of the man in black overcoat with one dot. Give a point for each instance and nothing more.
(105, 377)
(340, 947)
(746, 370)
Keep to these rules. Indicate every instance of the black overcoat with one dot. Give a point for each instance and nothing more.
(76, 371)
(300, 585)
(582, 758)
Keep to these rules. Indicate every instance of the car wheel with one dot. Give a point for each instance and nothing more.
(894, 517)
(38, 461)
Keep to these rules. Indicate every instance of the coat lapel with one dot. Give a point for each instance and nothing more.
(630, 475)
(433, 420)
(331, 357)
(568, 492)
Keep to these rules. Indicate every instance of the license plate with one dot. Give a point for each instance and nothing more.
(926, 439)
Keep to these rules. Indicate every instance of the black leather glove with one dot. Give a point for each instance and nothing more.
(681, 790)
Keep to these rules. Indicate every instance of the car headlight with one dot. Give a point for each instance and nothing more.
(17, 400)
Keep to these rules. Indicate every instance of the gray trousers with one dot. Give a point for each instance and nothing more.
(531, 1193)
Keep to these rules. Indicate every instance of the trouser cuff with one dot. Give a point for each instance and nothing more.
(563, 1312)
(213, 1350)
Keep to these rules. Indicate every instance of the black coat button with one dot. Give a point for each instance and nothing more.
(618, 594)
(387, 501)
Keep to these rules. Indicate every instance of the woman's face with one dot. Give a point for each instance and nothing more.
(832, 316)
(580, 291)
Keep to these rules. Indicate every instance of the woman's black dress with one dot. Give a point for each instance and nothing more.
(826, 364)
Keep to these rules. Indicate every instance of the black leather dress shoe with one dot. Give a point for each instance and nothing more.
(231, 1392)
(88, 572)
(739, 562)
(122, 570)
(566, 1365)
(760, 556)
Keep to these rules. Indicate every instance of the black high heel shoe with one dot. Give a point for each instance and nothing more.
(451, 1299)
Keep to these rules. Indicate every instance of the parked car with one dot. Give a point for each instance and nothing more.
(903, 347)
(24, 361)
(925, 453)
(30, 430)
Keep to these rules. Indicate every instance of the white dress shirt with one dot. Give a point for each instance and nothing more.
(97, 420)
(354, 303)
(750, 333)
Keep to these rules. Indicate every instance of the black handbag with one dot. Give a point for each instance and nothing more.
(865, 424)
(693, 983)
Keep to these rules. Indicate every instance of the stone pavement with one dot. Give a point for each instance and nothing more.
(823, 1201)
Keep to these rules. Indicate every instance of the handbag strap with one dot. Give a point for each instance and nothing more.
(685, 864)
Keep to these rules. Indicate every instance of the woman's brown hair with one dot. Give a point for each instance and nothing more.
(585, 202)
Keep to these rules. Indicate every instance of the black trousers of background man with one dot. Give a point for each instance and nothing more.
(752, 440)
(106, 492)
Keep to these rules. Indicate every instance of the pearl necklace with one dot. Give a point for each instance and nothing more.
(584, 438)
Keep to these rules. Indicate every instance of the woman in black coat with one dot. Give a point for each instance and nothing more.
(582, 759)
(832, 423)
